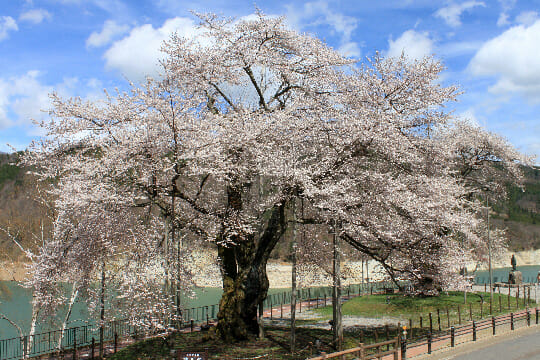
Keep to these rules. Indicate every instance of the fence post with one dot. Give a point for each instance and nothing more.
(459, 314)
(493, 324)
(430, 323)
(421, 323)
(92, 348)
(281, 305)
(115, 342)
(362, 351)
(500, 301)
(403, 345)
(439, 318)
(528, 317)
(511, 321)
(25, 345)
(470, 311)
(75, 343)
(429, 342)
(536, 316)
(191, 325)
(452, 337)
(482, 309)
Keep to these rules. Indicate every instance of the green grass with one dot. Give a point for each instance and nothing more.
(277, 340)
(407, 307)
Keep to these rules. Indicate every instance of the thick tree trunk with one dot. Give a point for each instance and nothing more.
(243, 268)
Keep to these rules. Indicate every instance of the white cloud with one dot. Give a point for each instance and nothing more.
(527, 18)
(137, 55)
(7, 24)
(35, 16)
(503, 19)
(458, 48)
(350, 49)
(22, 99)
(506, 5)
(512, 58)
(25, 98)
(318, 13)
(414, 44)
(109, 32)
(451, 14)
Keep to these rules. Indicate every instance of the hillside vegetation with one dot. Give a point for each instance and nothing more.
(520, 213)
(20, 211)
(25, 216)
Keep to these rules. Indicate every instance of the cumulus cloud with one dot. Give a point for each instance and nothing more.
(512, 58)
(414, 44)
(318, 13)
(108, 33)
(22, 99)
(527, 18)
(35, 16)
(7, 24)
(25, 97)
(451, 14)
(137, 55)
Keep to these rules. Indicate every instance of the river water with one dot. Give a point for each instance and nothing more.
(530, 272)
(15, 303)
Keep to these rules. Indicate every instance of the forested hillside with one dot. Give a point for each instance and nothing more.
(24, 215)
(520, 214)
(21, 213)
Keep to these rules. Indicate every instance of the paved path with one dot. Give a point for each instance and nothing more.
(521, 344)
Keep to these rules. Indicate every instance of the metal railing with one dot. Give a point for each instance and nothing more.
(73, 338)
(470, 332)
(87, 335)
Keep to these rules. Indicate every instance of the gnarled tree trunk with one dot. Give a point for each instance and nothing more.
(243, 268)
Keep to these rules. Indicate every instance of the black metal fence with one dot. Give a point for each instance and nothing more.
(75, 337)
(470, 332)
(86, 336)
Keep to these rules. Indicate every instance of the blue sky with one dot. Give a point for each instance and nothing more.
(491, 49)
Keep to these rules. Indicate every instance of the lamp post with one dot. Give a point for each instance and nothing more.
(489, 255)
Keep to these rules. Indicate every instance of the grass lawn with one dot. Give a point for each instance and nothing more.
(412, 308)
(277, 340)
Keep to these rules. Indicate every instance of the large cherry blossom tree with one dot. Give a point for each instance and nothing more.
(246, 117)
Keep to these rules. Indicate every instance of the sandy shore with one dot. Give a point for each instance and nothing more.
(207, 272)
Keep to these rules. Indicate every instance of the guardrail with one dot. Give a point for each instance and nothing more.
(470, 332)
